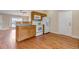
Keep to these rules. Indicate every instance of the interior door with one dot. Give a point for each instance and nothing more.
(65, 22)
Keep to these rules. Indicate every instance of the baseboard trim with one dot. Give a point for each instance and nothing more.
(75, 37)
(4, 28)
(67, 35)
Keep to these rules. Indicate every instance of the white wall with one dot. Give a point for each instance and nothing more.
(75, 23)
(53, 21)
(1, 21)
(6, 21)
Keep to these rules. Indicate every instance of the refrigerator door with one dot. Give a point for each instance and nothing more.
(46, 24)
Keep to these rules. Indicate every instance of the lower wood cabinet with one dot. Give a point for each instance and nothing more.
(25, 32)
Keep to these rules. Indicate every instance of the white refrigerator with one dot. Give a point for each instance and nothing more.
(45, 21)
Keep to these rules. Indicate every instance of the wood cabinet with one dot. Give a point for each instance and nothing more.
(25, 32)
(33, 13)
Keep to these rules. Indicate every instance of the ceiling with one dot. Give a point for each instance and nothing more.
(19, 12)
(15, 12)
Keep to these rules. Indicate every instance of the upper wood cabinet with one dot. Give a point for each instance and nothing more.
(33, 13)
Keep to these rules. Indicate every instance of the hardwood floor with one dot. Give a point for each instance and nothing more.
(7, 39)
(46, 41)
(49, 41)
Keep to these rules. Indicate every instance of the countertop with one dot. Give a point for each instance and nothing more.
(23, 24)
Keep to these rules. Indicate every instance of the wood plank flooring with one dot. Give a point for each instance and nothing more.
(49, 40)
(7, 39)
(46, 41)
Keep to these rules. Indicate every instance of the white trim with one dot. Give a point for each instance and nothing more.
(66, 35)
(4, 28)
(55, 32)
(75, 37)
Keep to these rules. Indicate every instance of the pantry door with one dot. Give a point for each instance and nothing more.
(65, 22)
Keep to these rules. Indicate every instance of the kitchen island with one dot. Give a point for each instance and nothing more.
(25, 31)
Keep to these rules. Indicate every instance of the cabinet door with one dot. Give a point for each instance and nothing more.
(32, 31)
(25, 32)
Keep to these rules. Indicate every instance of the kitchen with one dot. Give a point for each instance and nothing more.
(39, 25)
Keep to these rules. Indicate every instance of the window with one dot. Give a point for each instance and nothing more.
(16, 19)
